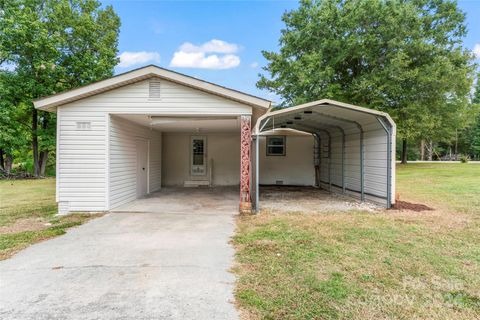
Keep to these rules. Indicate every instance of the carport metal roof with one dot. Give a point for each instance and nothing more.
(331, 117)
(322, 114)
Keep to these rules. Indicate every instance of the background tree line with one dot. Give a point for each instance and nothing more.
(402, 57)
(47, 46)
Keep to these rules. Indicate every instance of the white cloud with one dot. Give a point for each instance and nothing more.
(200, 60)
(254, 65)
(128, 59)
(214, 54)
(476, 50)
(217, 46)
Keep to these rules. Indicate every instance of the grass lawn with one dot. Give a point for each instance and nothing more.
(369, 265)
(27, 214)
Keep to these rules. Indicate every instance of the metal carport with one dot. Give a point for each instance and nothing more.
(354, 150)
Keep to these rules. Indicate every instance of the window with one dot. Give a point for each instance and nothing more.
(276, 146)
(198, 166)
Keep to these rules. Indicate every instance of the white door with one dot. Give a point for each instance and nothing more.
(142, 168)
(198, 156)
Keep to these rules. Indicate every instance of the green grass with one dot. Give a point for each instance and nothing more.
(27, 214)
(26, 199)
(387, 265)
(450, 186)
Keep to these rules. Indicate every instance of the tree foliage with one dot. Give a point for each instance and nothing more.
(402, 57)
(472, 135)
(48, 46)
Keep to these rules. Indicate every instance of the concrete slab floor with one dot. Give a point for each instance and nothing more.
(126, 265)
(186, 200)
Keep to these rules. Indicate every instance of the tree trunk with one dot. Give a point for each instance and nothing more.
(43, 162)
(430, 150)
(2, 162)
(44, 153)
(404, 151)
(8, 163)
(36, 164)
(422, 150)
(456, 144)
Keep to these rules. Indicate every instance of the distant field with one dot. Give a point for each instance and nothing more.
(27, 214)
(364, 265)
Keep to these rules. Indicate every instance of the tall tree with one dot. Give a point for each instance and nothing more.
(473, 132)
(50, 46)
(14, 121)
(402, 57)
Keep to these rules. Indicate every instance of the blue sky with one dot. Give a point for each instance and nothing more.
(218, 41)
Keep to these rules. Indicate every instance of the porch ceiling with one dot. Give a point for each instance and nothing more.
(186, 124)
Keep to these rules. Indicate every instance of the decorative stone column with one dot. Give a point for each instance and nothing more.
(245, 161)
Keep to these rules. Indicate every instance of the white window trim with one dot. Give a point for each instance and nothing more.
(284, 146)
(204, 138)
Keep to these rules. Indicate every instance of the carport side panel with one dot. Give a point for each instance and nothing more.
(376, 163)
(351, 167)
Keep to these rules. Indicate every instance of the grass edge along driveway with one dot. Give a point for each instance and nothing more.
(27, 214)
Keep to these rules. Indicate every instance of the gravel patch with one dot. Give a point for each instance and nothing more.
(309, 200)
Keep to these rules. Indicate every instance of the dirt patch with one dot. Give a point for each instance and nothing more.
(404, 205)
(22, 225)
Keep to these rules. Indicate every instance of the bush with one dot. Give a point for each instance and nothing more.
(464, 158)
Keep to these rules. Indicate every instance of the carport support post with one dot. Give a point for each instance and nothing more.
(343, 160)
(388, 131)
(245, 161)
(257, 168)
(362, 166)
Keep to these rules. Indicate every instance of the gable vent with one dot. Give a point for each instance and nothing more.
(154, 89)
(84, 126)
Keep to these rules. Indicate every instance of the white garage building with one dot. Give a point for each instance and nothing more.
(128, 136)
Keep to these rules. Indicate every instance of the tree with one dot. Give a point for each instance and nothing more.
(13, 121)
(473, 132)
(402, 57)
(51, 46)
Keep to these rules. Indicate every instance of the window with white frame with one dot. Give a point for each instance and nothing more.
(275, 145)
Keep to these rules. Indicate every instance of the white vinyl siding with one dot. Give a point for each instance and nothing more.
(123, 160)
(83, 169)
(175, 100)
(223, 159)
(295, 168)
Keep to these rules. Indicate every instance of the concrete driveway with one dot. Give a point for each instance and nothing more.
(131, 265)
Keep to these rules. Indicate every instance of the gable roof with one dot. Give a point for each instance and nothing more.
(49, 103)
